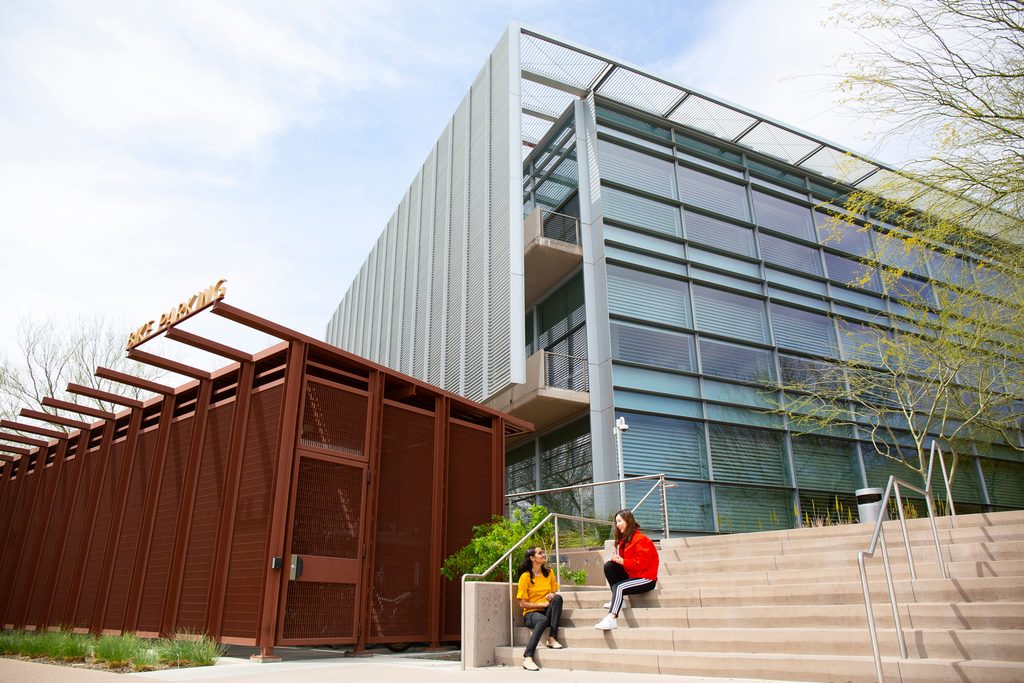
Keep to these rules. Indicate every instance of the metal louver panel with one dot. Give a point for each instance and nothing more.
(741, 454)
(252, 516)
(202, 541)
(100, 532)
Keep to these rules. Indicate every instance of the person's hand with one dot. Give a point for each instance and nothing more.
(549, 597)
(616, 558)
(544, 603)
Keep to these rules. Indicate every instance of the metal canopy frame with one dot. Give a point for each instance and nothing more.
(551, 65)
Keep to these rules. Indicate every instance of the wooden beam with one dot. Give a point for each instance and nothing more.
(39, 443)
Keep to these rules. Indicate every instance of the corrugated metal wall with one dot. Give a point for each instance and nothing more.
(440, 295)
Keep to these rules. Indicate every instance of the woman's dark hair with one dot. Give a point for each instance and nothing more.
(527, 565)
(626, 536)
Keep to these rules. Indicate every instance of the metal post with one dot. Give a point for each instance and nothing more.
(935, 534)
(906, 536)
(558, 557)
(892, 598)
(511, 607)
(664, 505)
(580, 496)
(949, 491)
(871, 616)
(620, 426)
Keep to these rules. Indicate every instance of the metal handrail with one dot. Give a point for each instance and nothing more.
(560, 226)
(666, 533)
(945, 478)
(878, 538)
(508, 556)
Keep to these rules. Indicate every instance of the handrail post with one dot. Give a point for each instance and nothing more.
(462, 631)
(949, 490)
(903, 526)
(511, 608)
(935, 534)
(558, 556)
(664, 506)
(871, 616)
(892, 598)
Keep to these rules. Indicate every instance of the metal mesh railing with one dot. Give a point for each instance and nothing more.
(566, 372)
(561, 227)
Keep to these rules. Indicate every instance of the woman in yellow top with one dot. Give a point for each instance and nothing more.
(542, 606)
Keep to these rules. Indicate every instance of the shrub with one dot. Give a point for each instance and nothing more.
(491, 540)
(39, 644)
(11, 642)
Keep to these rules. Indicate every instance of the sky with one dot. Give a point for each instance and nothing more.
(148, 149)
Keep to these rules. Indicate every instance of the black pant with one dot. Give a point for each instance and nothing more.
(540, 620)
(622, 585)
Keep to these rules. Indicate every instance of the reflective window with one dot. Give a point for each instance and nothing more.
(803, 330)
(640, 211)
(779, 214)
(636, 169)
(713, 193)
(790, 254)
(730, 315)
(646, 296)
(852, 273)
(649, 346)
(658, 444)
(733, 361)
(742, 454)
(718, 233)
(842, 235)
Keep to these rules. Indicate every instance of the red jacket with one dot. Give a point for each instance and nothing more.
(639, 557)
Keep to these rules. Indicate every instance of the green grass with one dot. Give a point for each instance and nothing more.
(118, 651)
(189, 650)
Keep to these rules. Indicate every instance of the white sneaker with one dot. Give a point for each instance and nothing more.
(606, 624)
(530, 665)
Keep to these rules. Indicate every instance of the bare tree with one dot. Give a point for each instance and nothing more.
(51, 356)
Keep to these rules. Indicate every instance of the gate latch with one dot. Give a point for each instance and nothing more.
(277, 562)
(296, 568)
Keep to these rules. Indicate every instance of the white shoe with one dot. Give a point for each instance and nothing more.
(606, 624)
(530, 665)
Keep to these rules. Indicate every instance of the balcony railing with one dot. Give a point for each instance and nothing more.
(566, 372)
(561, 227)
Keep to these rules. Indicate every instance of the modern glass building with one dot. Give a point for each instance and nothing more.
(588, 241)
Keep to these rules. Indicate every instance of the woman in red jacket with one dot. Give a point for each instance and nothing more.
(632, 569)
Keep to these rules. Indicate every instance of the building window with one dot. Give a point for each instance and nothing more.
(658, 348)
(719, 233)
(802, 330)
(730, 315)
(742, 454)
(640, 211)
(791, 255)
(642, 295)
(713, 193)
(721, 359)
(636, 169)
(778, 214)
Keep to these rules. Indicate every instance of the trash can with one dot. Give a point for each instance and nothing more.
(869, 505)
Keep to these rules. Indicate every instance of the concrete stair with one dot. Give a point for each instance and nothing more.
(788, 605)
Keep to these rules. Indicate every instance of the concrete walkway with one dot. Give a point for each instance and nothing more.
(326, 666)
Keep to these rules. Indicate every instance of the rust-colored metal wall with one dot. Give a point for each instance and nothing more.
(184, 513)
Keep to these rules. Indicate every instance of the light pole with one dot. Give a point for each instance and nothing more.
(620, 426)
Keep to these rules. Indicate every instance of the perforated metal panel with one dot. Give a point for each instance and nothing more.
(333, 418)
(124, 560)
(402, 569)
(49, 551)
(247, 563)
(63, 614)
(469, 470)
(158, 565)
(328, 503)
(306, 618)
(202, 541)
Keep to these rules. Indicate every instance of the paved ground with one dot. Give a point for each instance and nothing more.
(327, 666)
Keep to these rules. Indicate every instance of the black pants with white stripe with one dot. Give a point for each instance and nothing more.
(622, 585)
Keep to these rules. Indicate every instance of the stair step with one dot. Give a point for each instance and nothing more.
(989, 644)
(900, 570)
(825, 668)
(965, 615)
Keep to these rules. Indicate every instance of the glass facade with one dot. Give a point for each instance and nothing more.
(724, 273)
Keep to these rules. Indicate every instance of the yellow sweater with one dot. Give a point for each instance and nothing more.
(536, 591)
